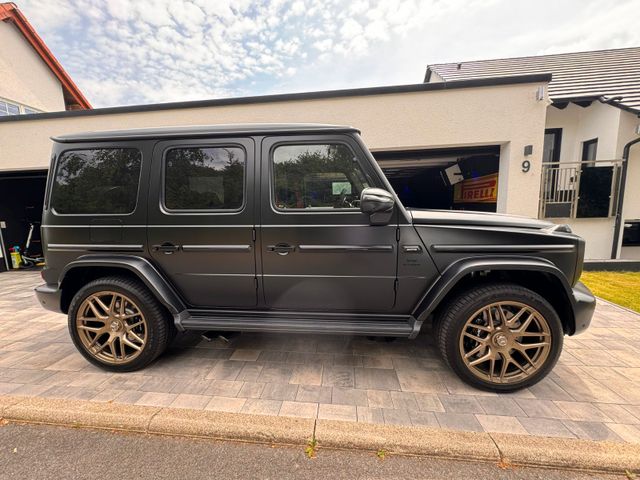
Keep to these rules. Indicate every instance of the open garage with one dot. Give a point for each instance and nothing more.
(21, 199)
(463, 178)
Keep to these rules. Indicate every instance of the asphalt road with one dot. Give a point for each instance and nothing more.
(45, 452)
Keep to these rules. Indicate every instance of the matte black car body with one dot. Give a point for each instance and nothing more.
(261, 269)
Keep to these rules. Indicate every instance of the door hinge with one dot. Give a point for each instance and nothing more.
(253, 234)
(397, 234)
(255, 281)
(395, 286)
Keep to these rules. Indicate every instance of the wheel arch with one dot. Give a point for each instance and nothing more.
(538, 275)
(90, 267)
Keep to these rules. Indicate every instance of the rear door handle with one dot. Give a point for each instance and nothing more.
(167, 248)
(281, 248)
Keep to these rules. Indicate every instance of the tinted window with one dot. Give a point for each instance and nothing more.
(97, 181)
(317, 176)
(204, 178)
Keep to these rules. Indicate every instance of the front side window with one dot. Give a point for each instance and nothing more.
(97, 181)
(208, 178)
(317, 176)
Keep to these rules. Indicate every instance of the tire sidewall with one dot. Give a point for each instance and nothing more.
(150, 312)
(504, 293)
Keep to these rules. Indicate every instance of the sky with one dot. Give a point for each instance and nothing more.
(150, 51)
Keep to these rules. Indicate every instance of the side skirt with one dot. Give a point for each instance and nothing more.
(405, 326)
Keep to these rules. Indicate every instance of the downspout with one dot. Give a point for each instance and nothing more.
(623, 183)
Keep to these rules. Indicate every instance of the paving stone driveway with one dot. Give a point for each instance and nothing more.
(593, 393)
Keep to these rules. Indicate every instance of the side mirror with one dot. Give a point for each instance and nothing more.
(378, 204)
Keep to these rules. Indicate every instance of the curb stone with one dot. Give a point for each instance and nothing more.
(406, 440)
(512, 449)
(568, 453)
(232, 426)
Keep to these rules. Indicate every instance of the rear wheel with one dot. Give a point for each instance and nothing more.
(500, 337)
(118, 325)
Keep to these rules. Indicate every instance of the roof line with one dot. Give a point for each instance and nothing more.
(534, 56)
(9, 12)
(353, 92)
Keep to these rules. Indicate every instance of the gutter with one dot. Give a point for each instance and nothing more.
(623, 183)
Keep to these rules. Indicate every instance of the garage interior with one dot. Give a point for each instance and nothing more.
(462, 178)
(21, 201)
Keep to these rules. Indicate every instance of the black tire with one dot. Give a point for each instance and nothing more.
(451, 321)
(159, 327)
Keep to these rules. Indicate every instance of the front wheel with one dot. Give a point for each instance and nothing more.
(500, 337)
(118, 325)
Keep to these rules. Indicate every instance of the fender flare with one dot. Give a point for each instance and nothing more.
(457, 270)
(140, 267)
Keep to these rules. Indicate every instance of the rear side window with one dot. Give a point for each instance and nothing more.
(208, 178)
(97, 181)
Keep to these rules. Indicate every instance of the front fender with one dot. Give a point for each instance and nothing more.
(139, 266)
(458, 270)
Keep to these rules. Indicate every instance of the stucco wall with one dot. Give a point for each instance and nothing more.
(24, 77)
(580, 124)
(507, 115)
(612, 127)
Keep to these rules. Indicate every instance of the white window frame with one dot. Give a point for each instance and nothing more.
(21, 108)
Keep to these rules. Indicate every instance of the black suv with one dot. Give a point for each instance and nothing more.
(292, 228)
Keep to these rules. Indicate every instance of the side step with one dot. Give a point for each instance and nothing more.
(386, 326)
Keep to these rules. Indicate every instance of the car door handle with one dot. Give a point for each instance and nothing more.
(167, 248)
(281, 248)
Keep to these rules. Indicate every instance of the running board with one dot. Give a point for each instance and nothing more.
(386, 326)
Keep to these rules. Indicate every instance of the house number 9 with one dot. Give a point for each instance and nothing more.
(526, 166)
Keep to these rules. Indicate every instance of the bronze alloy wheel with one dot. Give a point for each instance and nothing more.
(505, 342)
(111, 327)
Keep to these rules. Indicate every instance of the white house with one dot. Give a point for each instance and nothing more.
(31, 79)
(594, 109)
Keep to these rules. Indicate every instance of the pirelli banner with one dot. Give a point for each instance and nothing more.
(477, 190)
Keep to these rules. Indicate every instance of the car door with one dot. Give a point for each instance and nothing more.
(319, 252)
(201, 219)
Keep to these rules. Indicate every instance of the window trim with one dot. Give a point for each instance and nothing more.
(319, 141)
(57, 166)
(163, 181)
(21, 108)
(557, 142)
(585, 145)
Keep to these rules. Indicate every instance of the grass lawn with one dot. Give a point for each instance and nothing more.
(622, 288)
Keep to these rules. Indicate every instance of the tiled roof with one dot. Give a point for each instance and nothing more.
(604, 74)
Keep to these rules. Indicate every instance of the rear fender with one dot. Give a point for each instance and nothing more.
(140, 267)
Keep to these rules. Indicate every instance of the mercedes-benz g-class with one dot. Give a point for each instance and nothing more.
(292, 228)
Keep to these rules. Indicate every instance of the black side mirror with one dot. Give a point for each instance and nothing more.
(378, 204)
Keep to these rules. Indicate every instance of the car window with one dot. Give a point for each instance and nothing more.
(308, 176)
(209, 178)
(97, 181)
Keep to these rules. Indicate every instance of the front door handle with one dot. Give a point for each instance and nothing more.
(167, 248)
(281, 248)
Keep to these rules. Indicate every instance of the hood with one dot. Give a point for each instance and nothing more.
(462, 217)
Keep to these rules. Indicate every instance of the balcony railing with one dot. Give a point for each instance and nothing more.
(580, 189)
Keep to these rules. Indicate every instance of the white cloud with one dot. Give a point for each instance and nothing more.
(297, 7)
(124, 52)
(351, 28)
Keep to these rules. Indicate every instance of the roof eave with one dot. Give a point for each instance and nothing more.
(9, 12)
(427, 75)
